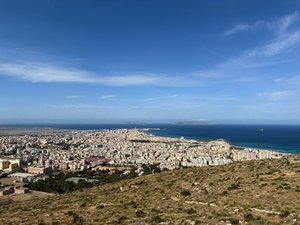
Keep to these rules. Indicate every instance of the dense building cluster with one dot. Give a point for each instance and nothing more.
(79, 150)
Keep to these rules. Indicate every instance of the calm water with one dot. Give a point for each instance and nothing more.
(284, 138)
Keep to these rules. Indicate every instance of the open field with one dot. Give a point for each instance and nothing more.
(251, 192)
(24, 197)
(8, 180)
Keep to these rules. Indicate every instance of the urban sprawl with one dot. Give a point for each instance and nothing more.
(36, 155)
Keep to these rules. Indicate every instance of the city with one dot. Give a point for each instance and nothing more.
(34, 157)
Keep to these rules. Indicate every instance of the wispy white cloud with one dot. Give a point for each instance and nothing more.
(44, 73)
(135, 79)
(277, 46)
(285, 22)
(283, 42)
(284, 37)
(279, 80)
(279, 25)
(77, 106)
(295, 78)
(74, 96)
(49, 73)
(276, 95)
(205, 74)
(242, 27)
(156, 98)
(107, 97)
(290, 80)
(274, 52)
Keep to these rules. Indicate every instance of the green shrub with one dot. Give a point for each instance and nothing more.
(234, 221)
(101, 206)
(133, 204)
(140, 213)
(185, 192)
(190, 211)
(248, 217)
(76, 218)
(260, 222)
(157, 219)
(122, 218)
(234, 186)
(224, 192)
(284, 213)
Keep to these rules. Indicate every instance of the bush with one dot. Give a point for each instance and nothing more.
(133, 204)
(76, 218)
(122, 218)
(284, 213)
(234, 186)
(101, 206)
(190, 211)
(224, 192)
(157, 219)
(260, 222)
(234, 221)
(248, 217)
(185, 192)
(139, 213)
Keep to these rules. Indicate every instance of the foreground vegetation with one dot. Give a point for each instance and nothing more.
(253, 192)
(59, 183)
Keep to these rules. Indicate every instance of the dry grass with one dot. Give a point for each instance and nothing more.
(25, 197)
(254, 192)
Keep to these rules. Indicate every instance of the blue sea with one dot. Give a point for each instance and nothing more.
(282, 138)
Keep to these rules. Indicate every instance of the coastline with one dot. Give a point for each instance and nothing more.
(281, 138)
(148, 131)
(69, 150)
(238, 145)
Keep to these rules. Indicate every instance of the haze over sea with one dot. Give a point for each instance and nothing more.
(283, 138)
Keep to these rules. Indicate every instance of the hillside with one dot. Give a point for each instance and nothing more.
(252, 192)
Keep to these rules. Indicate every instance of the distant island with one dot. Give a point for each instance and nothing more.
(193, 122)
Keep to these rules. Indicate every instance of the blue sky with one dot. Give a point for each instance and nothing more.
(94, 61)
